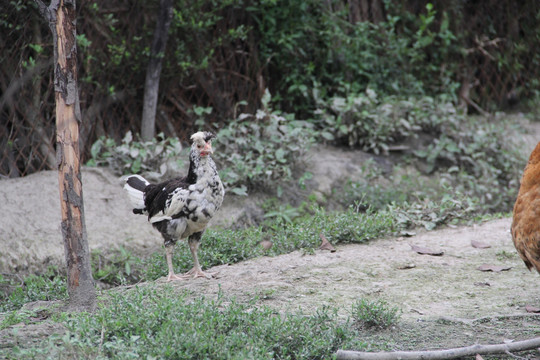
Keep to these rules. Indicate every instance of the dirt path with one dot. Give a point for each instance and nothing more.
(423, 286)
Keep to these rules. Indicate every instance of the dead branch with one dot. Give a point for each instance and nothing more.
(442, 354)
(489, 318)
(481, 44)
(475, 106)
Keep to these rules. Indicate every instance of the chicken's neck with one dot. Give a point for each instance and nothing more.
(199, 168)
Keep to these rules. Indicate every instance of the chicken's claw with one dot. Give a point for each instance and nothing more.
(173, 277)
(198, 273)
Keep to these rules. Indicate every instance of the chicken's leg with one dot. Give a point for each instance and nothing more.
(196, 271)
(168, 255)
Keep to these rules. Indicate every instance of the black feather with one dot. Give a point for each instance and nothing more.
(136, 183)
(209, 136)
(156, 195)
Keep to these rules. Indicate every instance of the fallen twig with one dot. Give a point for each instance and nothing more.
(490, 318)
(442, 354)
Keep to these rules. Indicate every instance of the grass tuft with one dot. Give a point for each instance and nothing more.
(374, 314)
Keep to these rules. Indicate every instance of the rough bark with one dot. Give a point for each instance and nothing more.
(62, 20)
(153, 72)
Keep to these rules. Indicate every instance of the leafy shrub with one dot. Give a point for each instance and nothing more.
(472, 154)
(315, 51)
(132, 157)
(255, 150)
(365, 121)
(262, 148)
(480, 161)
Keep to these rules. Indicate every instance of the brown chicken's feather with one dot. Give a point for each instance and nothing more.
(526, 219)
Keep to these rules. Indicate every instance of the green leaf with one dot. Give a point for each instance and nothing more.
(327, 135)
(241, 191)
(136, 166)
(280, 155)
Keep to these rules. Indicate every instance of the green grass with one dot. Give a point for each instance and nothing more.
(160, 323)
(218, 247)
(47, 286)
(155, 322)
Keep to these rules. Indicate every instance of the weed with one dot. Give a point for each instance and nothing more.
(374, 314)
(16, 317)
(430, 214)
(377, 190)
(117, 268)
(505, 255)
(276, 213)
(47, 286)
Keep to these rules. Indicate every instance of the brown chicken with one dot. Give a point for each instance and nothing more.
(526, 222)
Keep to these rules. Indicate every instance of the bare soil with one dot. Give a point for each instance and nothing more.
(445, 300)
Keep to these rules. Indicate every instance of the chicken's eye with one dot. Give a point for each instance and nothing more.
(199, 146)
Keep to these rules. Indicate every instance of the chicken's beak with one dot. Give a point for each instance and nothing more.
(207, 150)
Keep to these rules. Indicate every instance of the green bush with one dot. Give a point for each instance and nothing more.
(132, 156)
(471, 154)
(366, 121)
(314, 51)
(262, 148)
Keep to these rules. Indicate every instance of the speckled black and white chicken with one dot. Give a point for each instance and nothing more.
(182, 207)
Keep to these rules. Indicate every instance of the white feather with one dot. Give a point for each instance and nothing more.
(136, 197)
(159, 217)
(198, 137)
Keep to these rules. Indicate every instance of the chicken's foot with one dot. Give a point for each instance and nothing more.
(168, 255)
(198, 273)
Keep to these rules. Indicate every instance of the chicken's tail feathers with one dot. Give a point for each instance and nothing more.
(135, 185)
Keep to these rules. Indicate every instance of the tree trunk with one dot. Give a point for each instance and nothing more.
(153, 72)
(62, 20)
